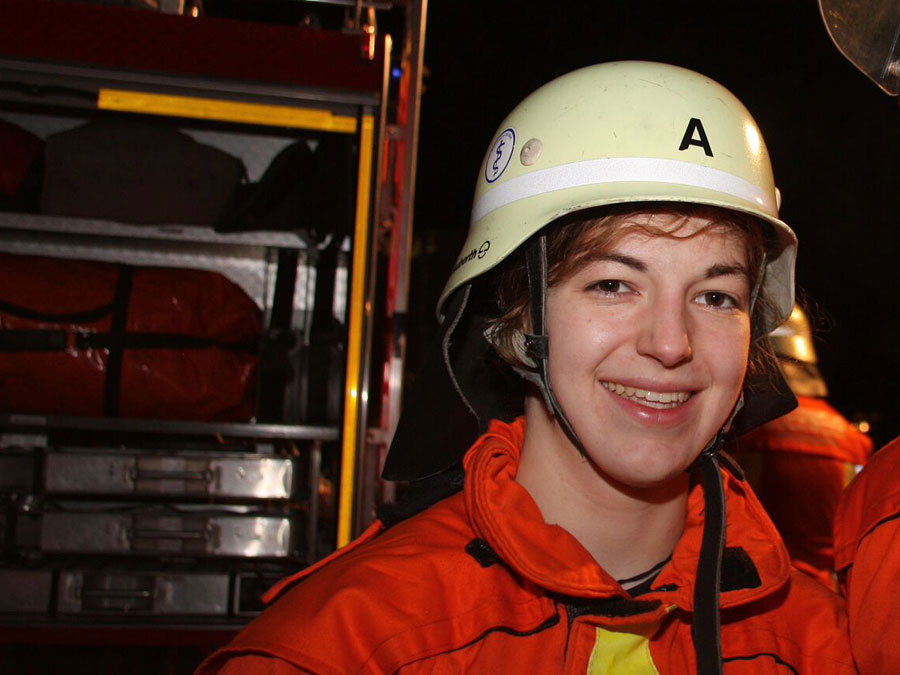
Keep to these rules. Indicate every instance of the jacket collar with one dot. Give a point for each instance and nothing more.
(504, 515)
(813, 428)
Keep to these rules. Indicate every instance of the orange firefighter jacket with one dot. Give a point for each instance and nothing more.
(799, 465)
(480, 583)
(867, 559)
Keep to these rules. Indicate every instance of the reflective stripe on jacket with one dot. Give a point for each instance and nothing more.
(479, 583)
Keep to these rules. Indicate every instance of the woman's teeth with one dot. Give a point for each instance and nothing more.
(651, 399)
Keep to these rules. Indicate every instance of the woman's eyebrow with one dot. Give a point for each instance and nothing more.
(722, 270)
(717, 270)
(623, 259)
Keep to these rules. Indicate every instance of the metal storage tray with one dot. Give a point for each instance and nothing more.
(143, 593)
(111, 472)
(213, 533)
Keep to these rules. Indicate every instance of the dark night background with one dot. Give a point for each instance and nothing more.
(833, 135)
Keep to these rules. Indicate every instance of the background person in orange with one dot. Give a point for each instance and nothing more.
(867, 560)
(867, 522)
(799, 464)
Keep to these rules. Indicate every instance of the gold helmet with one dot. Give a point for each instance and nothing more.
(793, 345)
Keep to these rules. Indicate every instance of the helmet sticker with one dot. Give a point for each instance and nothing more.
(695, 126)
(499, 155)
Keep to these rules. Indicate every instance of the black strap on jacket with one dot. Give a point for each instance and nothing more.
(706, 625)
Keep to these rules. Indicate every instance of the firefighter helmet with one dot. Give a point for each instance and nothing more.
(793, 345)
(615, 133)
(623, 132)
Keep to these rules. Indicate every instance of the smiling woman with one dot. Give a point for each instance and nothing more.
(658, 318)
(569, 511)
(656, 326)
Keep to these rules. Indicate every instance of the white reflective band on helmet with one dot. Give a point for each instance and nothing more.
(620, 170)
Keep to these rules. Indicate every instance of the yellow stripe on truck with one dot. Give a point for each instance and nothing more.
(224, 111)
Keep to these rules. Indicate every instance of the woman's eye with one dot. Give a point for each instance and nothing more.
(717, 299)
(610, 286)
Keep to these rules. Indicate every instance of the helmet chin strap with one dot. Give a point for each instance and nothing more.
(706, 626)
(706, 629)
(536, 342)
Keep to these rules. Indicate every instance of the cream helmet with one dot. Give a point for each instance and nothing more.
(623, 132)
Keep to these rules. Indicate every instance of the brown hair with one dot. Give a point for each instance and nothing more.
(573, 240)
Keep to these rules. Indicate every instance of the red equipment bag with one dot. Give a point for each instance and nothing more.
(92, 338)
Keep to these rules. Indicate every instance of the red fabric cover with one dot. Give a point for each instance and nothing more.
(867, 558)
(412, 600)
(208, 383)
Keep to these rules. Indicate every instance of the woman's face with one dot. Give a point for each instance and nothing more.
(649, 345)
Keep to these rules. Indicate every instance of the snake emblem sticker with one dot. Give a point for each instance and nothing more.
(499, 155)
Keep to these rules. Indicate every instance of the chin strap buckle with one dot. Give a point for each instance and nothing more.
(536, 347)
(711, 451)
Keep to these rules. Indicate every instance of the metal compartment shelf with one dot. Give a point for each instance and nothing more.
(263, 82)
(41, 423)
(136, 550)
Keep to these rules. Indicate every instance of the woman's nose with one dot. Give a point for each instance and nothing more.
(664, 334)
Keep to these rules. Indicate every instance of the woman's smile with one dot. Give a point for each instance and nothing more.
(660, 400)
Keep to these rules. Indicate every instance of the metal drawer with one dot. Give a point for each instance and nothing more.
(153, 533)
(143, 593)
(124, 473)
